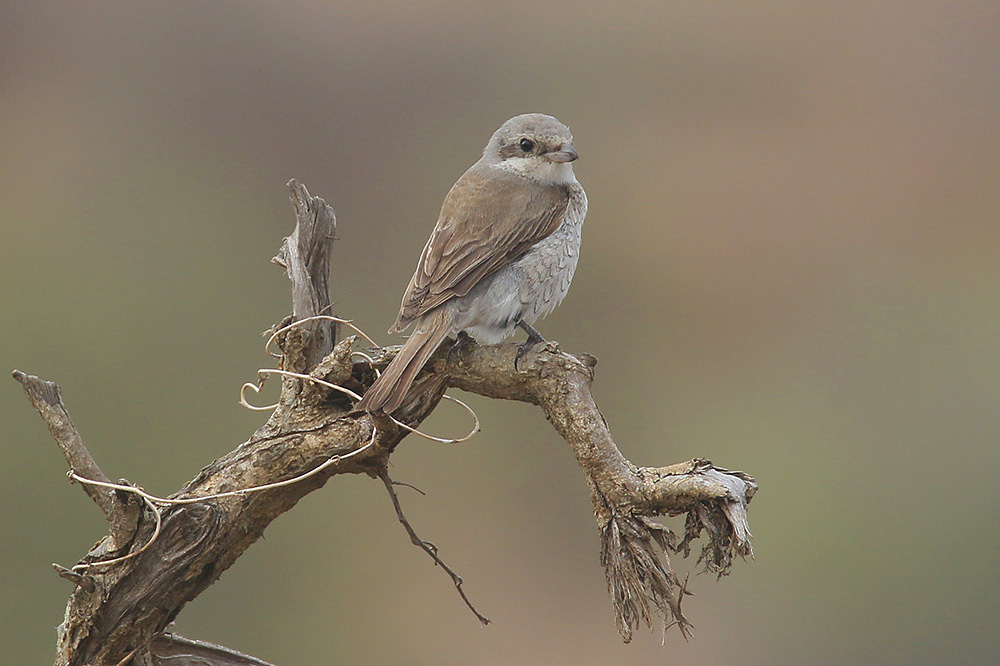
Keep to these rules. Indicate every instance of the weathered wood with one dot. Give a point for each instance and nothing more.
(305, 255)
(133, 601)
(174, 650)
(118, 612)
(121, 512)
(625, 497)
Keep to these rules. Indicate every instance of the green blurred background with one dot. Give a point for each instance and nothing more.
(791, 266)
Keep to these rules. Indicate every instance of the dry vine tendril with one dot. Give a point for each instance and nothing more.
(311, 429)
(153, 502)
(354, 396)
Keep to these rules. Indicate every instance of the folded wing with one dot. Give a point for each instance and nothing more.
(485, 223)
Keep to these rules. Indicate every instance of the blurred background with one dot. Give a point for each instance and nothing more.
(791, 266)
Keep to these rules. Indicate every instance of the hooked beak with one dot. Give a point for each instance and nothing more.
(566, 153)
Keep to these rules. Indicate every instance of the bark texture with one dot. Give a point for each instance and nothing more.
(117, 613)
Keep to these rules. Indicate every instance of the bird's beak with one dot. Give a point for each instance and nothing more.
(566, 153)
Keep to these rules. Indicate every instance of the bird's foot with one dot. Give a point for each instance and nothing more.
(461, 340)
(534, 337)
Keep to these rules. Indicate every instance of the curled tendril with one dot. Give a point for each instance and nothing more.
(346, 322)
(158, 515)
(443, 440)
(154, 503)
(263, 372)
(152, 500)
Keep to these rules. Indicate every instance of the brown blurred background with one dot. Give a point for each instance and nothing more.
(791, 266)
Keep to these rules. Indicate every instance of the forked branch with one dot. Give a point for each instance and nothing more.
(427, 546)
(163, 552)
(626, 498)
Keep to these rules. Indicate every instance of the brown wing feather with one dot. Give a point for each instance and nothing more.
(485, 223)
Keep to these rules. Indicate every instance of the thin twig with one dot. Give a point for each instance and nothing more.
(427, 546)
(409, 485)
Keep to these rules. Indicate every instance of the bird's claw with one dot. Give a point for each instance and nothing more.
(520, 352)
(462, 339)
(534, 337)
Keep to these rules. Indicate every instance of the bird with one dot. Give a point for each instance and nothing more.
(501, 256)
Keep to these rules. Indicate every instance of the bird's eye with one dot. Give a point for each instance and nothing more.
(527, 145)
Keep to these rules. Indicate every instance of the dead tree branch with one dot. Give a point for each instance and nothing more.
(626, 498)
(121, 513)
(427, 546)
(118, 611)
(305, 255)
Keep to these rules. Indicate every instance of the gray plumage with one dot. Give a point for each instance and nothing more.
(504, 250)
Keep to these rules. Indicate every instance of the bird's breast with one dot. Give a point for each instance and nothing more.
(529, 287)
(546, 270)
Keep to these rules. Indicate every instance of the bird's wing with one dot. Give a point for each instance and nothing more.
(485, 223)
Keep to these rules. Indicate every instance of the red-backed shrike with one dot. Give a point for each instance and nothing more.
(502, 254)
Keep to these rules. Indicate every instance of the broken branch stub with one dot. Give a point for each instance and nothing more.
(305, 255)
(119, 611)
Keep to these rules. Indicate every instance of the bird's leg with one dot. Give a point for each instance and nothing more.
(534, 337)
(462, 338)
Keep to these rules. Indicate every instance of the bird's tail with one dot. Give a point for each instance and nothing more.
(388, 391)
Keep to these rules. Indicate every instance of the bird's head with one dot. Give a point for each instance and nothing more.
(534, 146)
